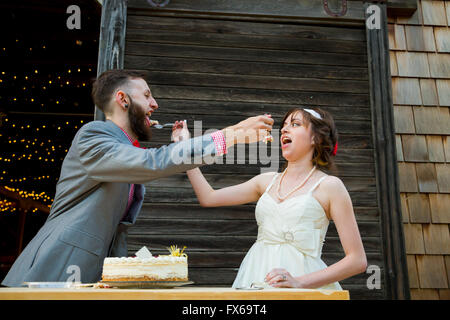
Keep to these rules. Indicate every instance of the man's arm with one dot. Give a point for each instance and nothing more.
(106, 159)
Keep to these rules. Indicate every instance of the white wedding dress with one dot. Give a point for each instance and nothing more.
(290, 236)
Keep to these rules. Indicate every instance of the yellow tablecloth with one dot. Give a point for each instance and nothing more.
(180, 293)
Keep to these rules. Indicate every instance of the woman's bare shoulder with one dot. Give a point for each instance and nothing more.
(264, 179)
(335, 188)
(267, 175)
(333, 185)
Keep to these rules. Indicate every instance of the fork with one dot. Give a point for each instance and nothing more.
(161, 126)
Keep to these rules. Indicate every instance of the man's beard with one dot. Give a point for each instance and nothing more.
(136, 115)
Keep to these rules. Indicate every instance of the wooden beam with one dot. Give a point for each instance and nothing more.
(112, 39)
(21, 229)
(401, 8)
(396, 274)
(311, 11)
(25, 204)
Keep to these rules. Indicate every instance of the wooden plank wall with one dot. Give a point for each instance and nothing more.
(222, 71)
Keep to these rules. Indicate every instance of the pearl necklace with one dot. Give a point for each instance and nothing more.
(296, 188)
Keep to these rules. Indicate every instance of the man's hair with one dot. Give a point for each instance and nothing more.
(109, 81)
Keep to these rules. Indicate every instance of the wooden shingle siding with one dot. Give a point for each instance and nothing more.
(429, 92)
(408, 177)
(415, 148)
(443, 89)
(393, 62)
(432, 273)
(397, 40)
(439, 65)
(419, 208)
(419, 38)
(435, 149)
(444, 294)
(447, 9)
(446, 141)
(443, 177)
(434, 13)
(406, 91)
(398, 146)
(424, 294)
(432, 120)
(412, 64)
(405, 210)
(404, 119)
(447, 264)
(442, 36)
(422, 127)
(426, 176)
(414, 239)
(439, 204)
(412, 271)
(436, 239)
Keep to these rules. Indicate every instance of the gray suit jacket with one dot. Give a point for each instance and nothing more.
(86, 221)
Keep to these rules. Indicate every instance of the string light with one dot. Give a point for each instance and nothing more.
(8, 206)
(31, 152)
(30, 195)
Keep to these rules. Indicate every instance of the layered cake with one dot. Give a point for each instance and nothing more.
(145, 267)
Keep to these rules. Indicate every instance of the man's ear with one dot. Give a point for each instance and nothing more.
(121, 99)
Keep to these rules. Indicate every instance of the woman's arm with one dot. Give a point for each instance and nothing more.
(354, 262)
(246, 192)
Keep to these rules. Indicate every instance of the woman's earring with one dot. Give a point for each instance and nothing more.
(125, 106)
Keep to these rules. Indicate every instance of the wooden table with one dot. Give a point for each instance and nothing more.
(181, 293)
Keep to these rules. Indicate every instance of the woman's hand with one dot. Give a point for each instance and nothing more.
(180, 131)
(281, 278)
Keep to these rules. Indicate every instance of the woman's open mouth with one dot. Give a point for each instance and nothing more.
(285, 141)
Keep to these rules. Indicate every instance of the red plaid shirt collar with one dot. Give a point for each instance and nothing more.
(135, 142)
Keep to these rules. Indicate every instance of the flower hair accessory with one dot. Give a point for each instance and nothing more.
(335, 149)
(313, 113)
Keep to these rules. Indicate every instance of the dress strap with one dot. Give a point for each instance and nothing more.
(318, 182)
(271, 182)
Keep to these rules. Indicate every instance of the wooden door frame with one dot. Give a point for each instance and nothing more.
(111, 56)
(386, 168)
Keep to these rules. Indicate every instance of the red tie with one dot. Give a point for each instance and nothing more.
(131, 194)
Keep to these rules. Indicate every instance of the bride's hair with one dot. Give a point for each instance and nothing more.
(325, 136)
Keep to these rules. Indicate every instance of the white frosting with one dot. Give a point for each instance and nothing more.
(152, 260)
(159, 268)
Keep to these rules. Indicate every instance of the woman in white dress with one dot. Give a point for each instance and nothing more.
(293, 210)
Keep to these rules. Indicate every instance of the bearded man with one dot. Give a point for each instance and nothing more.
(100, 193)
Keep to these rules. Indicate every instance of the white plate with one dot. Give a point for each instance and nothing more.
(68, 284)
(146, 284)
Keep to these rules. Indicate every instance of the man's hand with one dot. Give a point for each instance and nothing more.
(250, 130)
(180, 131)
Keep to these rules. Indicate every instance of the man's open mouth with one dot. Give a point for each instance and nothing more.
(147, 119)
